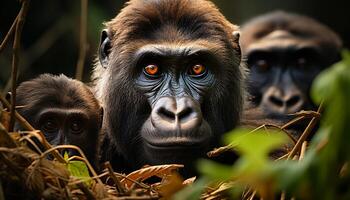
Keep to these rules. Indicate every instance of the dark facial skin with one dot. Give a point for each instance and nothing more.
(284, 53)
(169, 86)
(65, 111)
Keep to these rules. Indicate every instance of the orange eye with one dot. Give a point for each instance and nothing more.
(197, 70)
(152, 70)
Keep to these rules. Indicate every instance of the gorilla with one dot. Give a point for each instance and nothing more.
(170, 81)
(284, 53)
(65, 110)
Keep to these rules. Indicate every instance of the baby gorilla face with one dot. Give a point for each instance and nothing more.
(65, 110)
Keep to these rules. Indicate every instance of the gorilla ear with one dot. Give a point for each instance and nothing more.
(105, 46)
(236, 36)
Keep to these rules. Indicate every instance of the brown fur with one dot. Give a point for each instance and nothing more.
(302, 27)
(64, 94)
(176, 24)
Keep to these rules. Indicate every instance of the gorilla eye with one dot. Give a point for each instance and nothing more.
(76, 127)
(197, 70)
(301, 62)
(50, 126)
(262, 65)
(152, 70)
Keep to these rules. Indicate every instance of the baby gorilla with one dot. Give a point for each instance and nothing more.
(65, 110)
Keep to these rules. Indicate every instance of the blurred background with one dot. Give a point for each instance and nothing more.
(50, 38)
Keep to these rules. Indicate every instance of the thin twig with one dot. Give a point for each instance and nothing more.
(86, 191)
(2, 195)
(292, 122)
(23, 122)
(283, 196)
(28, 139)
(283, 130)
(307, 114)
(146, 197)
(67, 192)
(303, 150)
(9, 33)
(40, 46)
(118, 186)
(143, 185)
(305, 134)
(83, 40)
(252, 196)
(15, 59)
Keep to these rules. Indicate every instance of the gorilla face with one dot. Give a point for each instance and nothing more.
(170, 80)
(285, 52)
(65, 110)
(175, 82)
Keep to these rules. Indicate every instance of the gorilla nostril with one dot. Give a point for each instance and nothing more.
(276, 101)
(164, 113)
(185, 113)
(292, 101)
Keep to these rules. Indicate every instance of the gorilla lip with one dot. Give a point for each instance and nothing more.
(177, 142)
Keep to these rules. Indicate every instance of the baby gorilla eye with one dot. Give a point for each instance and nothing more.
(151, 70)
(301, 62)
(76, 127)
(197, 70)
(50, 126)
(262, 65)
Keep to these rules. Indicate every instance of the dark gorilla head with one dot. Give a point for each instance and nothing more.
(284, 53)
(65, 110)
(169, 78)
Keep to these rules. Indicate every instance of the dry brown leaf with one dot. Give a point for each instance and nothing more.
(99, 191)
(189, 181)
(145, 173)
(172, 184)
(218, 192)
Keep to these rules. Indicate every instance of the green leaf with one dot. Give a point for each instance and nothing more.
(214, 170)
(66, 156)
(79, 170)
(255, 146)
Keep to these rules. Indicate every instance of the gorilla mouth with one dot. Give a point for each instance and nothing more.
(176, 138)
(180, 150)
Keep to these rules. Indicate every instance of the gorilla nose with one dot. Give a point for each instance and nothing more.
(283, 103)
(172, 113)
